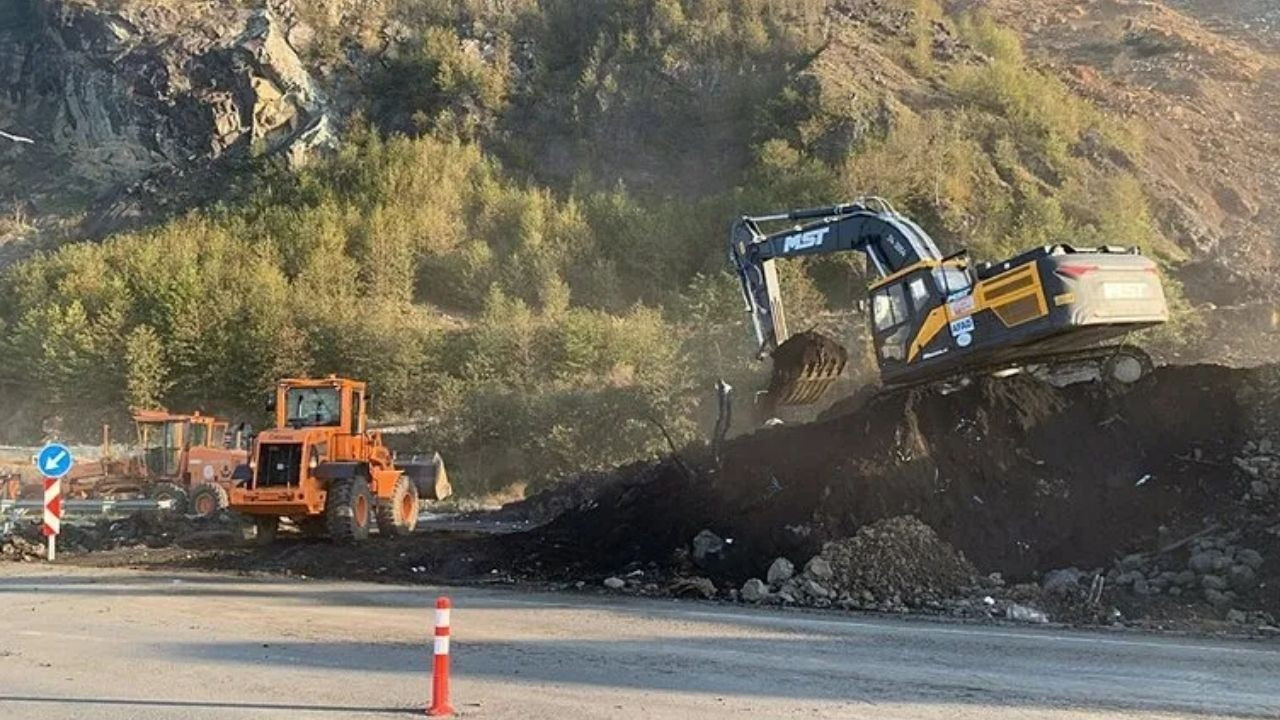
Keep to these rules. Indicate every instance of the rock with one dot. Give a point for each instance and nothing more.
(1141, 587)
(1133, 562)
(1058, 582)
(787, 597)
(1022, 613)
(1258, 488)
(615, 583)
(1216, 598)
(1264, 446)
(693, 587)
(1242, 578)
(1128, 579)
(818, 568)
(1203, 562)
(780, 571)
(1250, 558)
(1175, 591)
(815, 590)
(1237, 616)
(706, 545)
(1186, 578)
(754, 590)
(1214, 582)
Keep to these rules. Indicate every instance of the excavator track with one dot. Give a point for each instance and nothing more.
(1108, 357)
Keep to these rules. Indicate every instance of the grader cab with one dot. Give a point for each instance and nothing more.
(324, 469)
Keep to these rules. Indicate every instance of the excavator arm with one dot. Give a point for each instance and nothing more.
(806, 365)
(890, 241)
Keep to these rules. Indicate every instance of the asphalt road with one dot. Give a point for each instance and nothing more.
(108, 644)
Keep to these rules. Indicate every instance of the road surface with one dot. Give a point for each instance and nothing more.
(119, 644)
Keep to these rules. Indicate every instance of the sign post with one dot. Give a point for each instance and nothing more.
(54, 462)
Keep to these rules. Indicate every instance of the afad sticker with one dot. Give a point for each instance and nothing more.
(962, 326)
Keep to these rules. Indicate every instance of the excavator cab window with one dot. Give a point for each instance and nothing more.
(889, 307)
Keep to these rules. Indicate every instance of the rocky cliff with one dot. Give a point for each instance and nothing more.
(122, 99)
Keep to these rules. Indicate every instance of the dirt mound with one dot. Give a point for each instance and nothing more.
(1019, 477)
(899, 559)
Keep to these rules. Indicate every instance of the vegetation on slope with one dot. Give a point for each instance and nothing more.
(527, 256)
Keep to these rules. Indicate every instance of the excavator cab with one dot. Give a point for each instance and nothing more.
(902, 304)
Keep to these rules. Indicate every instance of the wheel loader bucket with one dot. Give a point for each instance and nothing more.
(804, 367)
(429, 476)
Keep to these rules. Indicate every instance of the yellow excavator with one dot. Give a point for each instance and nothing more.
(1059, 311)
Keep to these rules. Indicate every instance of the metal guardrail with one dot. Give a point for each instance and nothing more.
(91, 507)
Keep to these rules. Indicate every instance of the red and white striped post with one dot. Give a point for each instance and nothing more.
(440, 706)
(52, 513)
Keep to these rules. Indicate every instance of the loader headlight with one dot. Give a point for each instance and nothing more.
(314, 462)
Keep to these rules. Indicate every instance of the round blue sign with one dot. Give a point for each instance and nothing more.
(54, 460)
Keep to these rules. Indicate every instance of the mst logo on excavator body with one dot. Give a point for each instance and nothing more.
(804, 240)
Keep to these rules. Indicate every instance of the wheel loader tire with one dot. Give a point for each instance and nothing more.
(170, 491)
(398, 515)
(348, 510)
(207, 499)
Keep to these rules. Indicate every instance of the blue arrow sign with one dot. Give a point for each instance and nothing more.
(54, 460)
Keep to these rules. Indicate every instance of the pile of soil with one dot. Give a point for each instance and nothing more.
(897, 560)
(1020, 477)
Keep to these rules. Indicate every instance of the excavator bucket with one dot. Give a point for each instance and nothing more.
(803, 368)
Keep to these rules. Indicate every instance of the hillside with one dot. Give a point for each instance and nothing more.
(511, 218)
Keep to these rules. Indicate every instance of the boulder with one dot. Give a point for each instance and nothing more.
(1242, 578)
(819, 569)
(754, 590)
(706, 545)
(780, 571)
(1214, 582)
(615, 583)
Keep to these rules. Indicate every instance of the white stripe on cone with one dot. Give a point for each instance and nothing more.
(442, 644)
(442, 617)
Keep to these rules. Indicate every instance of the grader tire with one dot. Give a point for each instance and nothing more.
(348, 510)
(170, 491)
(398, 515)
(207, 499)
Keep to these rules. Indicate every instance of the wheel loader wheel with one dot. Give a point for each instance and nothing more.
(207, 499)
(172, 492)
(348, 510)
(398, 515)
